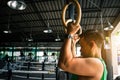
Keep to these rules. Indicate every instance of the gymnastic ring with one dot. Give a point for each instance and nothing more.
(77, 21)
(70, 20)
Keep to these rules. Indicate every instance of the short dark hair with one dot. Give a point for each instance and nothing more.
(95, 35)
(117, 78)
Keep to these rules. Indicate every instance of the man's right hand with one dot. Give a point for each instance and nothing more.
(72, 29)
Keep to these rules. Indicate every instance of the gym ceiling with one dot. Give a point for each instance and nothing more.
(30, 22)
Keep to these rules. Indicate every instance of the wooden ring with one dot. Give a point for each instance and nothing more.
(77, 21)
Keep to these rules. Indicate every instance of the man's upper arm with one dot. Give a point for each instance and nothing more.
(84, 66)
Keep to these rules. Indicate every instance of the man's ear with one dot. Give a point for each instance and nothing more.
(92, 44)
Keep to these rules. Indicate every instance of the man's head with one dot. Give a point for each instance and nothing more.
(90, 39)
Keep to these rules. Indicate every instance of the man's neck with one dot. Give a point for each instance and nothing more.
(98, 53)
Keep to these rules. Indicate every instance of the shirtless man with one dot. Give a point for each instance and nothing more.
(90, 66)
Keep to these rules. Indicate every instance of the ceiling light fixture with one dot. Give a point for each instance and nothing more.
(17, 4)
(7, 31)
(30, 38)
(48, 30)
(109, 27)
(8, 27)
(58, 38)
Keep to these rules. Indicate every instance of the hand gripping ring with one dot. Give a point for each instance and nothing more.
(77, 21)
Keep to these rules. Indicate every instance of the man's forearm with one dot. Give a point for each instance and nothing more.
(73, 48)
(66, 53)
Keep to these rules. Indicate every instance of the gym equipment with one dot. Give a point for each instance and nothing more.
(27, 70)
(78, 19)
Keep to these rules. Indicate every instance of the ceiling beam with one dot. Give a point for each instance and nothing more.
(84, 10)
(117, 19)
(24, 21)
